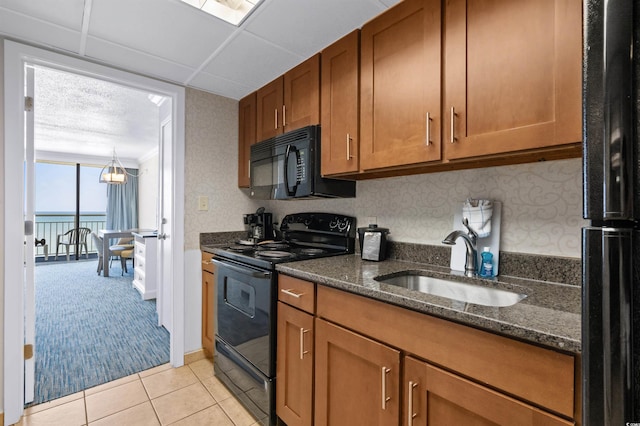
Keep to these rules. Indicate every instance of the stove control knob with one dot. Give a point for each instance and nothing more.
(343, 224)
(334, 223)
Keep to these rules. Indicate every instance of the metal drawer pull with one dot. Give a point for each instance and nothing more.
(284, 115)
(349, 156)
(276, 119)
(453, 127)
(291, 293)
(410, 414)
(428, 138)
(302, 351)
(385, 398)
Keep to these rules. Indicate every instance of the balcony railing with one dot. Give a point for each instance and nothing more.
(50, 225)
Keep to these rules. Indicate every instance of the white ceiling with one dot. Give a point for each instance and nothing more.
(83, 120)
(178, 43)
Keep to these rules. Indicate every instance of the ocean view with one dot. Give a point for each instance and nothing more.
(49, 225)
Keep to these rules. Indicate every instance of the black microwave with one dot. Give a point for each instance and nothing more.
(288, 166)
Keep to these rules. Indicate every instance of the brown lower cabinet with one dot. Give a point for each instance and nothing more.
(208, 298)
(357, 379)
(434, 396)
(378, 364)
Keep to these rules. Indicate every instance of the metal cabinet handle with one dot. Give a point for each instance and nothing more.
(453, 127)
(249, 169)
(284, 115)
(385, 398)
(410, 414)
(349, 156)
(291, 293)
(302, 351)
(428, 138)
(275, 125)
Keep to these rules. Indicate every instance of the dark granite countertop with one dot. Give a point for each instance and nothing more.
(549, 315)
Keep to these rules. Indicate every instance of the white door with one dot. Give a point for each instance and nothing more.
(164, 297)
(29, 244)
(15, 57)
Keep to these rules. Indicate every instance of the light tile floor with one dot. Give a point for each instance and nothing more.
(188, 395)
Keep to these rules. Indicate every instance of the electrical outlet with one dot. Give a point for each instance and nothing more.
(203, 203)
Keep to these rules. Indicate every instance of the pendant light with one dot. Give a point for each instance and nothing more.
(113, 173)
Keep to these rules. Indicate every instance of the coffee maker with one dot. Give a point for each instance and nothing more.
(259, 225)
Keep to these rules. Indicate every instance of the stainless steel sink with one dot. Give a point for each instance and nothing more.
(468, 293)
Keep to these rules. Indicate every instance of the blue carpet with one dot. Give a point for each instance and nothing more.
(91, 329)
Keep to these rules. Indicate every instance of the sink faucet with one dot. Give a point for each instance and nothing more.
(469, 238)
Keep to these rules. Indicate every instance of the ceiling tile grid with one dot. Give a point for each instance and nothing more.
(176, 42)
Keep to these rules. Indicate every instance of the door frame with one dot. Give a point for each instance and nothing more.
(16, 55)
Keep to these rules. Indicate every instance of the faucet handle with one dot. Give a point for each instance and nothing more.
(472, 234)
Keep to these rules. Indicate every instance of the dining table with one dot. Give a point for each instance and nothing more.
(107, 235)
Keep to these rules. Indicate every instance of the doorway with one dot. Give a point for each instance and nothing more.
(17, 58)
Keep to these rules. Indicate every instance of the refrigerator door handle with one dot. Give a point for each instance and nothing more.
(618, 132)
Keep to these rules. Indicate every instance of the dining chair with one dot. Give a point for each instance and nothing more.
(121, 245)
(70, 238)
(97, 242)
(124, 255)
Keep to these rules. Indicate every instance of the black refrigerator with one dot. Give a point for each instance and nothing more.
(611, 242)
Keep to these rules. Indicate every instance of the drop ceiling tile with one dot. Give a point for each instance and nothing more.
(220, 86)
(251, 61)
(167, 29)
(67, 13)
(33, 30)
(132, 60)
(306, 27)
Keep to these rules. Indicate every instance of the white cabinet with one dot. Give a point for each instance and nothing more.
(145, 254)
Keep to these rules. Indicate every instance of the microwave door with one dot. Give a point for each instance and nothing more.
(291, 165)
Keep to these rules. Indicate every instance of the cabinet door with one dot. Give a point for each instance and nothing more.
(357, 379)
(294, 387)
(269, 102)
(437, 397)
(340, 95)
(512, 75)
(401, 86)
(302, 95)
(208, 300)
(246, 137)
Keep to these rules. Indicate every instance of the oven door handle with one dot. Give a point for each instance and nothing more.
(245, 271)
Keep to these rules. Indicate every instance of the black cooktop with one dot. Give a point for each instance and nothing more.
(304, 236)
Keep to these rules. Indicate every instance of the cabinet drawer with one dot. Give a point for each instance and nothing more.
(140, 262)
(140, 248)
(297, 293)
(207, 264)
(541, 376)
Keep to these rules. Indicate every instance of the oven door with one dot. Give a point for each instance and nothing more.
(246, 312)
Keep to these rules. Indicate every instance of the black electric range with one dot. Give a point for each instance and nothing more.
(304, 236)
(246, 299)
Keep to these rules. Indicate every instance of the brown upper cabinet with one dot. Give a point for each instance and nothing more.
(339, 105)
(291, 101)
(512, 75)
(246, 137)
(401, 86)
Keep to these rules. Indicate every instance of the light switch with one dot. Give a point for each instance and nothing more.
(203, 203)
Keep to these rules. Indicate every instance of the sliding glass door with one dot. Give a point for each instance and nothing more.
(67, 196)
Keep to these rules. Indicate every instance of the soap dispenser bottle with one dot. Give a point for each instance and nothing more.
(486, 264)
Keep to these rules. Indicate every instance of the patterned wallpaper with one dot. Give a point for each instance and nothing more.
(541, 202)
(211, 167)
